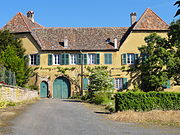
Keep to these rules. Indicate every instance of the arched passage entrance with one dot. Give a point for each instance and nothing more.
(44, 89)
(61, 88)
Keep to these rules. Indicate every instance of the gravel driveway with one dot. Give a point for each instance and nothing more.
(64, 117)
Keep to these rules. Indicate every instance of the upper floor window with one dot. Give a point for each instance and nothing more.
(34, 59)
(73, 59)
(107, 58)
(91, 58)
(129, 58)
(56, 59)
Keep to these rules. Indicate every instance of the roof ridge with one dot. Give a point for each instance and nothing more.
(24, 21)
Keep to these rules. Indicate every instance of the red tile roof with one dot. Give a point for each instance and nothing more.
(21, 23)
(79, 38)
(82, 38)
(150, 21)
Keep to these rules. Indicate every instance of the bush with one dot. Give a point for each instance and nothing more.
(4, 104)
(142, 101)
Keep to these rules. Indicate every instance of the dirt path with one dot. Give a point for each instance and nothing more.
(66, 117)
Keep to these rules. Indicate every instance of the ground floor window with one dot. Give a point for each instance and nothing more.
(119, 83)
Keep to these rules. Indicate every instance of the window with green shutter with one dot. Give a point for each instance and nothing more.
(125, 83)
(85, 58)
(38, 59)
(123, 56)
(97, 58)
(65, 59)
(85, 83)
(79, 59)
(49, 59)
(107, 58)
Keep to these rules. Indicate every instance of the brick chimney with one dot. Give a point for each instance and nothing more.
(115, 43)
(133, 17)
(30, 15)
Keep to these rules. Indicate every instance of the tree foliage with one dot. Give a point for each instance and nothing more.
(12, 57)
(100, 79)
(178, 11)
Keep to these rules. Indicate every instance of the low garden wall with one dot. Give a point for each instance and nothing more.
(16, 94)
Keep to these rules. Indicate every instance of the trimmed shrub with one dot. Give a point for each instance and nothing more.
(142, 101)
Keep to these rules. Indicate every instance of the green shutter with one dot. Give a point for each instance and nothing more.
(37, 59)
(107, 58)
(49, 59)
(125, 83)
(136, 58)
(79, 60)
(110, 58)
(85, 58)
(85, 83)
(123, 56)
(63, 59)
(167, 85)
(66, 59)
(97, 61)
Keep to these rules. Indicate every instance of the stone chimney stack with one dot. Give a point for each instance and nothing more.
(65, 42)
(133, 17)
(30, 15)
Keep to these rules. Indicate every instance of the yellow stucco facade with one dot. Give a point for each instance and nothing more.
(49, 73)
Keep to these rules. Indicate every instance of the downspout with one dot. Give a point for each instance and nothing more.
(82, 72)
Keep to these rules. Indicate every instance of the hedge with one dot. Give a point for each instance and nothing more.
(142, 101)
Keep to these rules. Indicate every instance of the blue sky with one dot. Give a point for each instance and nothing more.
(85, 13)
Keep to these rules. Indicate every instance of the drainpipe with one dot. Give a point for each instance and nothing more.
(82, 72)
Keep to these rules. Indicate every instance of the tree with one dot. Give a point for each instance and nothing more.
(100, 79)
(178, 12)
(173, 65)
(149, 70)
(12, 57)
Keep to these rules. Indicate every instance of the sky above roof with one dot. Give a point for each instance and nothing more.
(86, 13)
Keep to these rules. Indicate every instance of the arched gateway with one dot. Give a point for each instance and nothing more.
(61, 88)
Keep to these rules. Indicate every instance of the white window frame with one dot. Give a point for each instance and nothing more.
(91, 58)
(56, 59)
(119, 83)
(73, 59)
(130, 58)
(33, 59)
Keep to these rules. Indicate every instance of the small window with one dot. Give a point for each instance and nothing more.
(34, 59)
(119, 83)
(107, 58)
(130, 58)
(73, 59)
(91, 58)
(56, 59)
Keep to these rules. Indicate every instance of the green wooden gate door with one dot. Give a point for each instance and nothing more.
(44, 89)
(61, 88)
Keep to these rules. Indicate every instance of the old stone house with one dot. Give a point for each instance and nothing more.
(75, 48)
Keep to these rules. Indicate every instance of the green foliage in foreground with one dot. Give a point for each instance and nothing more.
(4, 104)
(142, 101)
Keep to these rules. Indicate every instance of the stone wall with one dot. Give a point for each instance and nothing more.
(16, 94)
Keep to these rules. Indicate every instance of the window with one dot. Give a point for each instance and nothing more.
(129, 58)
(107, 58)
(121, 83)
(73, 59)
(56, 59)
(91, 58)
(34, 59)
(118, 83)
